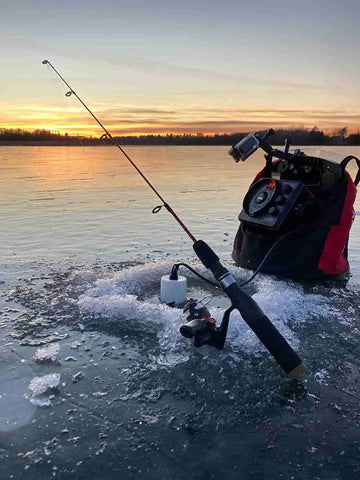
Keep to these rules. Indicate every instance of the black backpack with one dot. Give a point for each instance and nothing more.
(297, 217)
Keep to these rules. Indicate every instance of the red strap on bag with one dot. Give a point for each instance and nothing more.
(332, 260)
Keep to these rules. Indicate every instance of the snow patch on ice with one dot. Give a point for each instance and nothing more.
(321, 376)
(119, 297)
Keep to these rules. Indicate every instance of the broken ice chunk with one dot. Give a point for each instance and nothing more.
(42, 389)
(48, 354)
(77, 377)
(76, 345)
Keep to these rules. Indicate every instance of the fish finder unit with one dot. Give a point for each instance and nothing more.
(268, 202)
(297, 212)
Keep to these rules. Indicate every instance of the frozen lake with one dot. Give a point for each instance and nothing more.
(125, 396)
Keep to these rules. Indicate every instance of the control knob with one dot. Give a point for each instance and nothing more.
(287, 188)
(280, 199)
(274, 211)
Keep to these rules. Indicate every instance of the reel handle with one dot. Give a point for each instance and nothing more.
(259, 323)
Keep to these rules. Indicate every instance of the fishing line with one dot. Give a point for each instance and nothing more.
(204, 330)
(60, 91)
(108, 135)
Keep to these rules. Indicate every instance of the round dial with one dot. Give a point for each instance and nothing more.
(259, 196)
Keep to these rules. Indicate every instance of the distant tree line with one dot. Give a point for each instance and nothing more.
(15, 134)
(298, 136)
(20, 135)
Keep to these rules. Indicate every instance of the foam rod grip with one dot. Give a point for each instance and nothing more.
(271, 338)
(250, 311)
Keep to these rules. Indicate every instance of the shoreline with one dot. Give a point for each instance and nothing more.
(96, 143)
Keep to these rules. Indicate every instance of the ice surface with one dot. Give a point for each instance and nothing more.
(131, 280)
(42, 389)
(119, 296)
(330, 155)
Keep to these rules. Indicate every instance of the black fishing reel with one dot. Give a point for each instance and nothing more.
(201, 327)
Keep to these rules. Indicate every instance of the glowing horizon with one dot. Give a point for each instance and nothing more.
(75, 121)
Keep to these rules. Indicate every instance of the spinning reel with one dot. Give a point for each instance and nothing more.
(201, 327)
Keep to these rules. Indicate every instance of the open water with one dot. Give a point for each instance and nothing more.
(95, 379)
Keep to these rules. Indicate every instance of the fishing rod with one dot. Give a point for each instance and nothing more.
(201, 329)
(108, 135)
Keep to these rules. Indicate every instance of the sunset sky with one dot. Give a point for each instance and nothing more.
(190, 66)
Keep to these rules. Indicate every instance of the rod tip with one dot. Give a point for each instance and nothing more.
(44, 62)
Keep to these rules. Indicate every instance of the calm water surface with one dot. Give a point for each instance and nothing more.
(80, 260)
